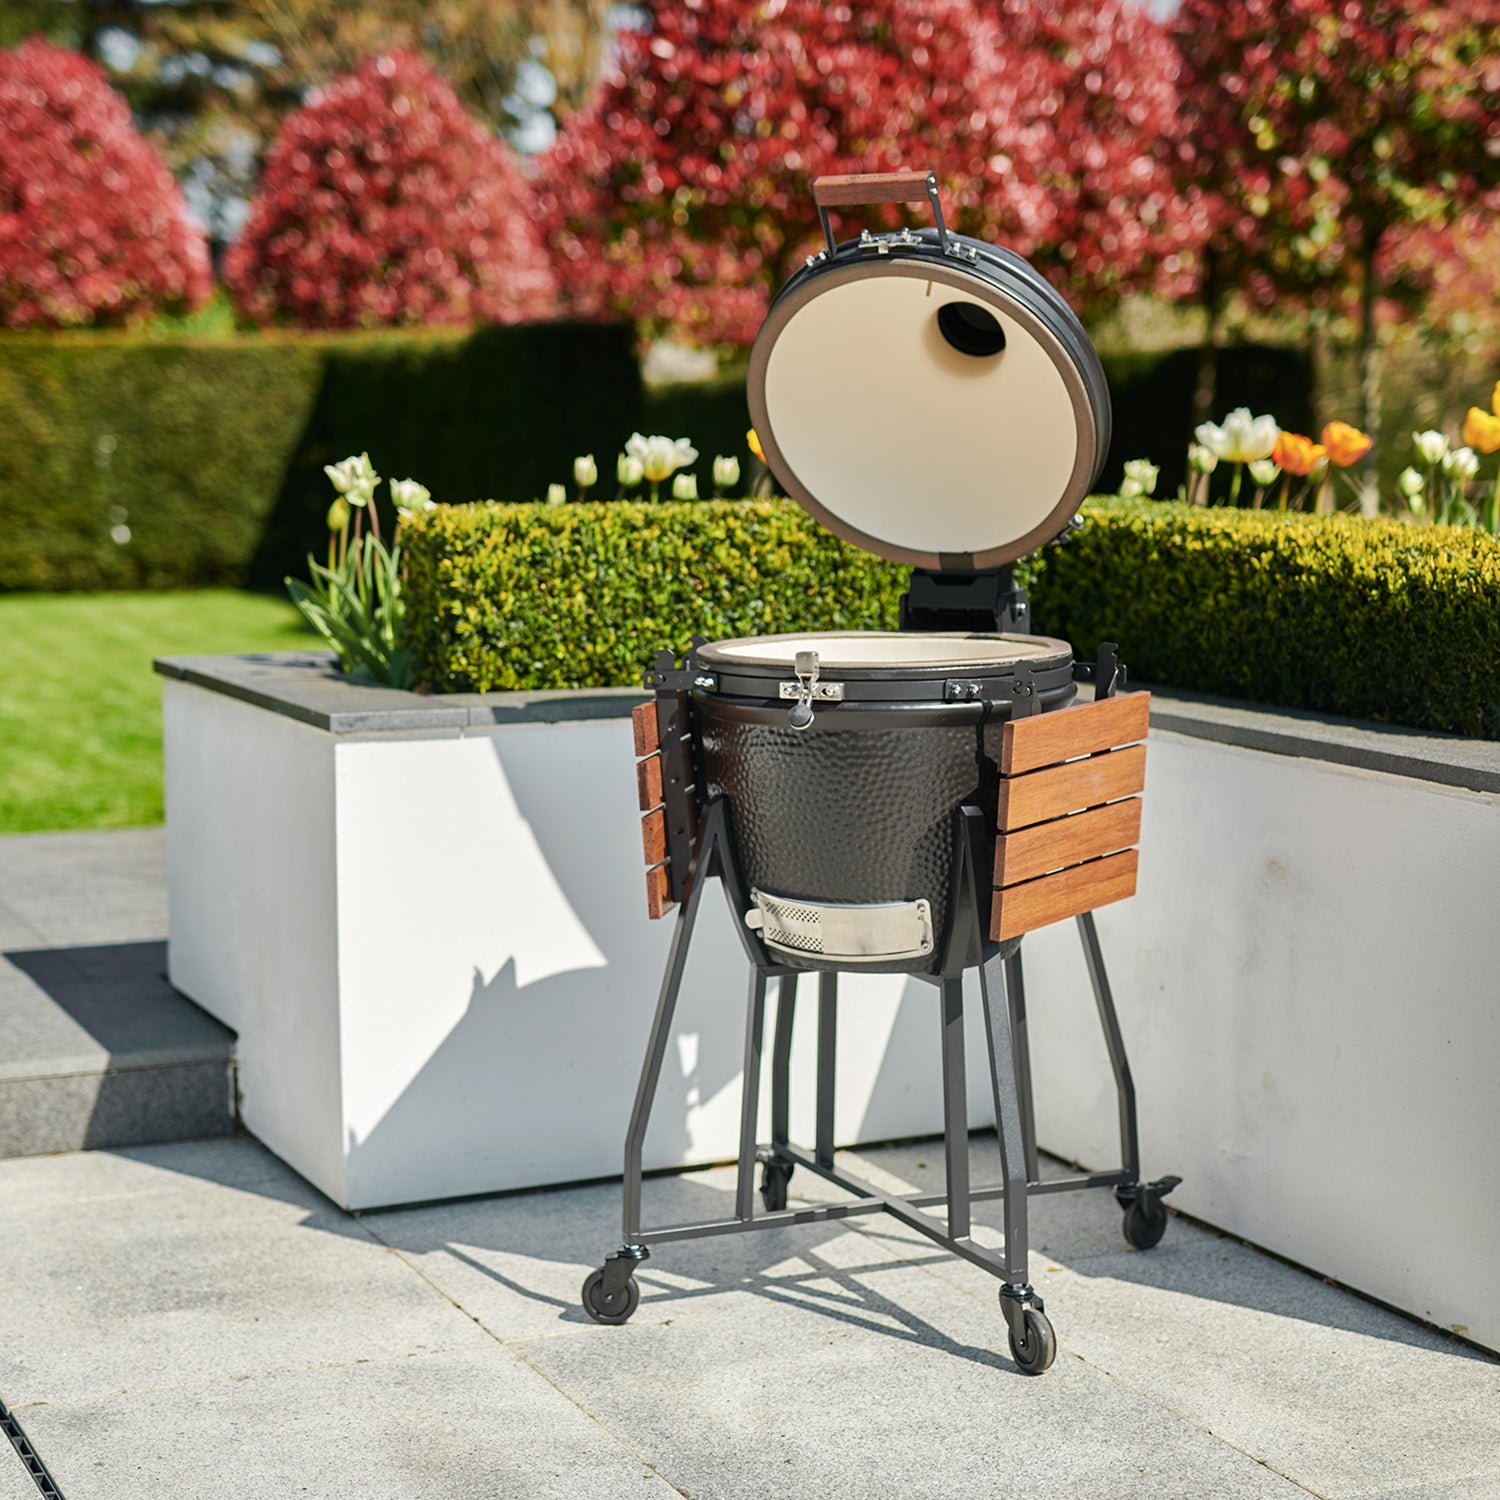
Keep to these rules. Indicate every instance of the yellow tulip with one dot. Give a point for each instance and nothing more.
(759, 452)
(1481, 430)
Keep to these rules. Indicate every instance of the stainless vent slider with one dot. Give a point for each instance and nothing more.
(849, 932)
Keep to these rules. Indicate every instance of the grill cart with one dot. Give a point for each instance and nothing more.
(911, 801)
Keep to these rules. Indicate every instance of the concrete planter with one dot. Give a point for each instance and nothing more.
(425, 919)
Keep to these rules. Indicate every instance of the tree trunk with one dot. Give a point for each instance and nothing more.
(1206, 389)
(1369, 374)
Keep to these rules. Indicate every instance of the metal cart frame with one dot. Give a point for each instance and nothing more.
(611, 1294)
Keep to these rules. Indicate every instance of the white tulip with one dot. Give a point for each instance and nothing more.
(1411, 483)
(1264, 472)
(1242, 439)
(1140, 477)
(726, 472)
(1431, 446)
(629, 470)
(660, 457)
(1461, 464)
(685, 487)
(410, 497)
(557, 494)
(355, 479)
(585, 471)
(1202, 460)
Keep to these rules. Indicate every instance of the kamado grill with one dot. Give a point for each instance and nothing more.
(911, 801)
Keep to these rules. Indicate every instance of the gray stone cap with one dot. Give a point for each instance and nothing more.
(307, 685)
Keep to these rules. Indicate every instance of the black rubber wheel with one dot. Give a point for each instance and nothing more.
(1145, 1222)
(616, 1309)
(774, 1177)
(1040, 1348)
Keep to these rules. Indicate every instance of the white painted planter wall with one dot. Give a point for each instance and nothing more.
(433, 946)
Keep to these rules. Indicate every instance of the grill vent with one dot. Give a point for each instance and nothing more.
(874, 932)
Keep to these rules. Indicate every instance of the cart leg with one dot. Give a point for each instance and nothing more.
(1145, 1213)
(776, 1173)
(828, 1023)
(955, 1109)
(1015, 990)
(755, 1024)
(1032, 1341)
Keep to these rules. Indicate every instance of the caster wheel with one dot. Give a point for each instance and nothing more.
(1145, 1221)
(1040, 1348)
(774, 1176)
(603, 1308)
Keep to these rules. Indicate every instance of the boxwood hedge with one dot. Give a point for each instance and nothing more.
(1374, 619)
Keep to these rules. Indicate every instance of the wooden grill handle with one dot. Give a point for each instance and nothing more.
(857, 188)
(873, 187)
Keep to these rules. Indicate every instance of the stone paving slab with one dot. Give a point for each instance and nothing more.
(449, 1426)
(193, 1319)
(172, 1264)
(87, 888)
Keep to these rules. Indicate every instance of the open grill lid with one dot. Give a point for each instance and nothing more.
(926, 396)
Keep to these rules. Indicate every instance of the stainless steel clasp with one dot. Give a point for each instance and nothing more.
(806, 689)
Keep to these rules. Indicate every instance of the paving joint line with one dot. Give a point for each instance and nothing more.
(513, 1348)
(1208, 1432)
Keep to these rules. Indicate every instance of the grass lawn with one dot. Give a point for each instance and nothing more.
(80, 707)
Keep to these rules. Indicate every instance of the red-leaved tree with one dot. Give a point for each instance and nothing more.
(1095, 83)
(384, 202)
(93, 230)
(682, 194)
(1312, 129)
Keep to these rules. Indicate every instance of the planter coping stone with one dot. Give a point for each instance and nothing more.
(307, 686)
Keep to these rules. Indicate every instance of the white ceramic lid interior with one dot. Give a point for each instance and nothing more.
(902, 437)
(877, 649)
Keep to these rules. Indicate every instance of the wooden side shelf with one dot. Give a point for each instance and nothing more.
(660, 799)
(1069, 812)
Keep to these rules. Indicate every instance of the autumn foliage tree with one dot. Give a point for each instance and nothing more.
(384, 202)
(682, 196)
(1312, 129)
(93, 230)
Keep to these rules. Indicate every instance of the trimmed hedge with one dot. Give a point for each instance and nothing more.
(1371, 618)
(584, 595)
(213, 448)
(1374, 619)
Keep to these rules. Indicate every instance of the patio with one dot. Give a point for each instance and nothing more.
(193, 1318)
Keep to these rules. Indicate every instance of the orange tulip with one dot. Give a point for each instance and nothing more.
(1345, 444)
(1295, 454)
(1481, 429)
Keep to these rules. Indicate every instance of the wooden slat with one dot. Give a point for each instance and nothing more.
(1039, 795)
(1046, 739)
(648, 782)
(1069, 893)
(658, 892)
(1066, 841)
(654, 836)
(643, 725)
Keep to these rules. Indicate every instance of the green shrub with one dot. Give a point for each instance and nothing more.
(584, 595)
(1369, 618)
(1374, 619)
(211, 450)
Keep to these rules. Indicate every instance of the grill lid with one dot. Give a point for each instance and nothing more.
(927, 397)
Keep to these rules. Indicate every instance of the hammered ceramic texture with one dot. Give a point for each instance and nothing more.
(834, 814)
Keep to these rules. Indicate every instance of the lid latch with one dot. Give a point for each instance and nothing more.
(807, 689)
